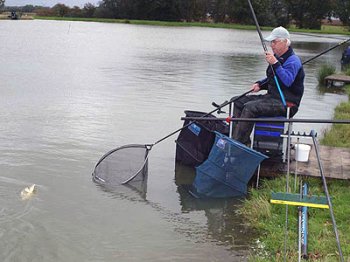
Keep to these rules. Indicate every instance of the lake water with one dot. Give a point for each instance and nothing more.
(71, 91)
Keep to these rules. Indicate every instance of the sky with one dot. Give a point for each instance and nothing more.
(50, 3)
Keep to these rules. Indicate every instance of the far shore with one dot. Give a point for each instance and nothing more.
(21, 16)
(325, 29)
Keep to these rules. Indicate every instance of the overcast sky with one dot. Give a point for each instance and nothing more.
(49, 3)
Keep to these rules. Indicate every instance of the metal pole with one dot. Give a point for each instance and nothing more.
(287, 187)
(327, 195)
(304, 224)
(299, 227)
(231, 123)
(270, 119)
(296, 167)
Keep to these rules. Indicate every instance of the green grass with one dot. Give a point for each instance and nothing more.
(346, 70)
(324, 71)
(339, 134)
(269, 219)
(149, 22)
(325, 29)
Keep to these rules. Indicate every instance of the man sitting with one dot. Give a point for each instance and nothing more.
(290, 75)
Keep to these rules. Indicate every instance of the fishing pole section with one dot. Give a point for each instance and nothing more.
(327, 50)
(265, 50)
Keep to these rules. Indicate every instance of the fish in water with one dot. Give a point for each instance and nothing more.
(28, 192)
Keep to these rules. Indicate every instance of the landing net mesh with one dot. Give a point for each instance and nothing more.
(122, 164)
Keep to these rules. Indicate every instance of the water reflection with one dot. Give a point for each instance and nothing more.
(224, 223)
(133, 191)
(136, 192)
(339, 90)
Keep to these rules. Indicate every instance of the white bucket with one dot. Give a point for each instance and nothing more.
(302, 152)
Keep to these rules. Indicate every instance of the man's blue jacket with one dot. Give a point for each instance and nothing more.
(290, 75)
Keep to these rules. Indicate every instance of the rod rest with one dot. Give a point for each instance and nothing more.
(299, 134)
(219, 106)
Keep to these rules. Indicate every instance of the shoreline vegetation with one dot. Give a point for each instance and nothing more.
(325, 29)
(268, 220)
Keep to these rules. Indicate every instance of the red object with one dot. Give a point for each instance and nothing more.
(290, 104)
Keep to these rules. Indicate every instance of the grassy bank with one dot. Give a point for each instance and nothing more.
(149, 22)
(326, 29)
(339, 135)
(269, 219)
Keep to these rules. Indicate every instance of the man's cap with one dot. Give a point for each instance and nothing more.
(278, 32)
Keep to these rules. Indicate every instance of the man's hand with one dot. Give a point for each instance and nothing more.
(256, 87)
(270, 58)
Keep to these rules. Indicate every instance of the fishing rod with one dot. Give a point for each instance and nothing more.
(204, 116)
(320, 36)
(265, 49)
(272, 120)
(327, 50)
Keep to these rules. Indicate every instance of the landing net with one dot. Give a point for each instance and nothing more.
(122, 165)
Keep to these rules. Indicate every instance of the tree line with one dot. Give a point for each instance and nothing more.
(304, 14)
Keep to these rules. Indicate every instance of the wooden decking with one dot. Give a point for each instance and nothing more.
(335, 162)
(336, 80)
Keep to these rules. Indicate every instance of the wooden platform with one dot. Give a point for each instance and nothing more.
(336, 80)
(335, 162)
